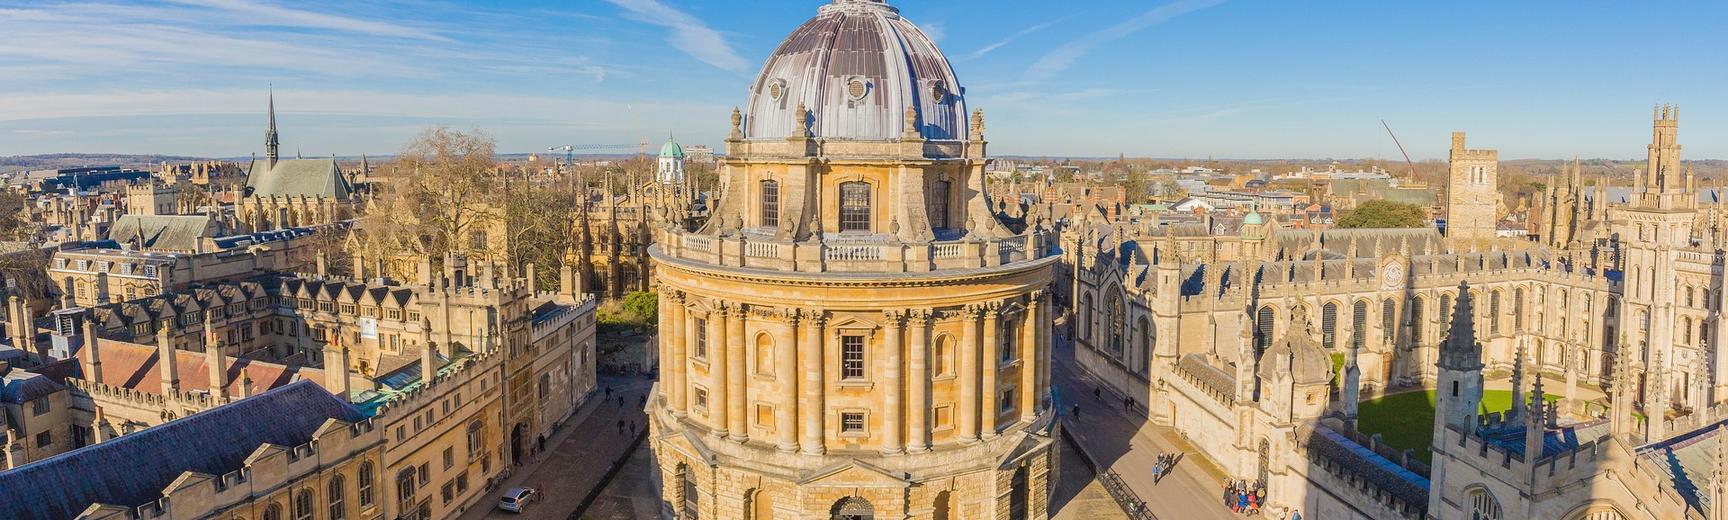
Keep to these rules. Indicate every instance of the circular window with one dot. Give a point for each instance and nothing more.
(776, 89)
(857, 88)
(938, 92)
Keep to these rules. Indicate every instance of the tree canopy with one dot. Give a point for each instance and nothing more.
(1384, 214)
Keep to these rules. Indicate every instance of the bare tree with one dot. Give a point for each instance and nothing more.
(445, 187)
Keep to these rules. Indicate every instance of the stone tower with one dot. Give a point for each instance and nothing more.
(1457, 384)
(1472, 192)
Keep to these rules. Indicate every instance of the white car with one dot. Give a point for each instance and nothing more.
(517, 499)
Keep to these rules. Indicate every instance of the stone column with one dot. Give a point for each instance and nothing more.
(786, 372)
(677, 366)
(918, 383)
(1029, 364)
(736, 352)
(1046, 344)
(968, 350)
(718, 359)
(812, 410)
(891, 381)
(990, 353)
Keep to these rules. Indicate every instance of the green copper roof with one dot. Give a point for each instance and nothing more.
(671, 150)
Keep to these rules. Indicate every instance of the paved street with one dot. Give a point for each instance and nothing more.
(1125, 443)
(580, 453)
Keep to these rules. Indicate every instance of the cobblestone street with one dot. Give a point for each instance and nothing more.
(580, 456)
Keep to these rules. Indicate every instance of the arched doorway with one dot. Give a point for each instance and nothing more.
(1019, 496)
(940, 509)
(516, 441)
(852, 508)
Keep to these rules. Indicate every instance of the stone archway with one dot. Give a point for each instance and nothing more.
(852, 508)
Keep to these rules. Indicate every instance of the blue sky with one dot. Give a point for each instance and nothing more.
(1184, 78)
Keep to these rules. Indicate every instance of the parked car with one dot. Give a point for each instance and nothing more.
(516, 500)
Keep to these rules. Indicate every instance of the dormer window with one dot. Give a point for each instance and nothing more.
(854, 207)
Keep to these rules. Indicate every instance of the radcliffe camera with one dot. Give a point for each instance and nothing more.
(862, 260)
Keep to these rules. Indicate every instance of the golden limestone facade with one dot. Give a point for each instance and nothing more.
(1624, 298)
(852, 334)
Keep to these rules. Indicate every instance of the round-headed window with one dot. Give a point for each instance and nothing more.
(857, 88)
(776, 89)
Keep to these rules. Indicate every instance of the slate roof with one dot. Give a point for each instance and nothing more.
(177, 232)
(18, 386)
(298, 177)
(1555, 440)
(133, 469)
(1687, 461)
(1408, 486)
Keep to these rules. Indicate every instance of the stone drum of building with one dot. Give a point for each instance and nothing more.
(853, 333)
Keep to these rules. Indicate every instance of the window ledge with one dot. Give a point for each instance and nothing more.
(855, 384)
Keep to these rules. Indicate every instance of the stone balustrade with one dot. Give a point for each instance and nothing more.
(872, 254)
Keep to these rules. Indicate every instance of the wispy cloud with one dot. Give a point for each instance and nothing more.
(267, 14)
(688, 33)
(934, 30)
(1062, 57)
(987, 49)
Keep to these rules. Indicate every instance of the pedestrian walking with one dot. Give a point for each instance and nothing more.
(1157, 472)
(1098, 393)
(620, 426)
(1075, 412)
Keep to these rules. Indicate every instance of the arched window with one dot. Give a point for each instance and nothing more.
(1518, 309)
(764, 359)
(941, 364)
(854, 206)
(1262, 331)
(757, 505)
(1358, 324)
(939, 193)
(1329, 326)
(1446, 311)
(405, 489)
(365, 480)
(336, 496)
(687, 484)
(1118, 317)
(1148, 340)
(1021, 495)
(940, 509)
(1389, 321)
(1494, 312)
(1483, 506)
(303, 505)
(1689, 301)
(272, 512)
(852, 508)
(1416, 321)
(1685, 330)
(770, 203)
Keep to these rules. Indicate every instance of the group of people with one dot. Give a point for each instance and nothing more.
(1244, 497)
(1162, 467)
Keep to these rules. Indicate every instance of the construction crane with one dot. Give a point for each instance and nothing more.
(1400, 149)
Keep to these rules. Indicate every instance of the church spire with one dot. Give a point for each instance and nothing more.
(271, 141)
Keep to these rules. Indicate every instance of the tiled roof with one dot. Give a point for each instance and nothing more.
(133, 469)
(177, 232)
(129, 365)
(18, 386)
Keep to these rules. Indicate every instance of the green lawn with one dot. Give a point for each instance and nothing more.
(1407, 420)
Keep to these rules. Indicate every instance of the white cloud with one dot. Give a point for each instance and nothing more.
(934, 30)
(1062, 57)
(266, 14)
(987, 49)
(688, 33)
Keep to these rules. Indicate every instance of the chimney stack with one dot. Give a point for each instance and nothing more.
(336, 367)
(92, 353)
(217, 365)
(166, 360)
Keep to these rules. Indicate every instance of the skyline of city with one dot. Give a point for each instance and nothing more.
(1253, 81)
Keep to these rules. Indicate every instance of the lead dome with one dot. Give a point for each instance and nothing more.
(856, 67)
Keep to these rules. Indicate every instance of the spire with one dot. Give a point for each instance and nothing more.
(1518, 402)
(1460, 351)
(271, 141)
(1719, 476)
